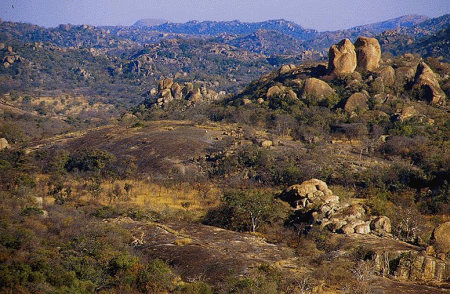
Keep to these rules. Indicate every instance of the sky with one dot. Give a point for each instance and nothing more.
(313, 14)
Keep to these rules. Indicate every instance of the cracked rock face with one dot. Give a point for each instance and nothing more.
(368, 54)
(342, 58)
(426, 83)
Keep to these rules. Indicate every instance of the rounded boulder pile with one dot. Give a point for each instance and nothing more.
(314, 203)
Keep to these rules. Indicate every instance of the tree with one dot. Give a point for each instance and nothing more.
(90, 160)
(258, 205)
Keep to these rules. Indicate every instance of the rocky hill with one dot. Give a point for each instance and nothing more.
(326, 39)
(272, 43)
(236, 27)
(95, 71)
(306, 84)
(430, 38)
(403, 22)
(428, 27)
(150, 22)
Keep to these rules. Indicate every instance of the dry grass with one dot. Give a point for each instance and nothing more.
(183, 241)
(158, 197)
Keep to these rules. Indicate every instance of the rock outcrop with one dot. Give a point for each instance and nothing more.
(368, 54)
(441, 238)
(426, 83)
(342, 58)
(315, 90)
(408, 263)
(3, 143)
(315, 204)
(308, 195)
(357, 102)
(387, 74)
(168, 90)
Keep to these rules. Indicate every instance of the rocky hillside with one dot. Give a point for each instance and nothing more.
(354, 71)
(431, 38)
(236, 27)
(102, 74)
(326, 39)
(272, 43)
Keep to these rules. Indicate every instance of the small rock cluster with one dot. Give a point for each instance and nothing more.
(10, 57)
(315, 204)
(168, 90)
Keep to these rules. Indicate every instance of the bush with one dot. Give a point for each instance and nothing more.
(90, 160)
(155, 278)
(246, 210)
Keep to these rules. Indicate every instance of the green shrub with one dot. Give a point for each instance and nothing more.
(155, 278)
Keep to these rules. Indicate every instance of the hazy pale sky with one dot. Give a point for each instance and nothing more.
(314, 14)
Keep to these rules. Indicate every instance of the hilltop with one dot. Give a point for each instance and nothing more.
(149, 22)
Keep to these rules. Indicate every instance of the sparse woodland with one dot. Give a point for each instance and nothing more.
(120, 174)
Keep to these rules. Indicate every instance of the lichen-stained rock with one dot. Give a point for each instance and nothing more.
(315, 90)
(426, 84)
(408, 112)
(417, 266)
(286, 68)
(177, 91)
(362, 229)
(405, 74)
(166, 93)
(274, 91)
(357, 102)
(381, 225)
(313, 191)
(387, 74)
(441, 238)
(165, 84)
(342, 58)
(368, 54)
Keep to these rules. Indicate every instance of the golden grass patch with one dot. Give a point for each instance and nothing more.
(183, 241)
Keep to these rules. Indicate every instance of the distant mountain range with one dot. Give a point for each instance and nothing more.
(275, 37)
(213, 28)
(271, 38)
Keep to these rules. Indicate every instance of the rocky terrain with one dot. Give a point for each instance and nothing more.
(209, 254)
(180, 158)
(365, 76)
(135, 58)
